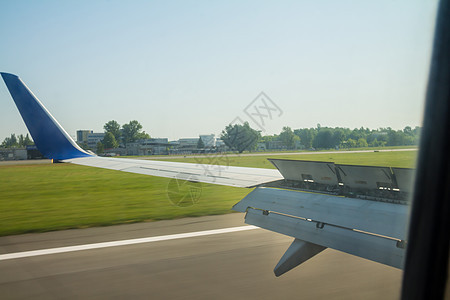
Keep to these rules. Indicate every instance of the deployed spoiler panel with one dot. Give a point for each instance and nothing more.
(404, 178)
(307, 171)
(366, 182)
(366, 177)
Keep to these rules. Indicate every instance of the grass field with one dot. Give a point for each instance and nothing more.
(37, 198)
(404, 159)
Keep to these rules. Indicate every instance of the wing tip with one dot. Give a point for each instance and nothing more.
(8, 74)
(49, 136)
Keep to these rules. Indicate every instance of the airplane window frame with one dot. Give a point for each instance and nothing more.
(425, 273)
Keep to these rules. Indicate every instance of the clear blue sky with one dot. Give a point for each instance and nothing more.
(184, 68)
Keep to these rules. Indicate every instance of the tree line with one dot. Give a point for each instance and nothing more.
(243, 138)
(338, 137)
(17, 142)
(115, 134)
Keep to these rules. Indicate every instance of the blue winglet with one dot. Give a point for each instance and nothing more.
(50, 138)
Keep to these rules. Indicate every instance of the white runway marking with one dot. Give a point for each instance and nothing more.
(123, 242)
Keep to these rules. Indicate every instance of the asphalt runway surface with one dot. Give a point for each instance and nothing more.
(235, 265)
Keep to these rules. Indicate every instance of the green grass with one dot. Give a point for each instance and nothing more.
(280, 151)
(404, 159)
(37, 198)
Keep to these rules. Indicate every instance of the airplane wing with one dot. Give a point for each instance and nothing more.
(360, 210)
(54, 143)
(216, 174)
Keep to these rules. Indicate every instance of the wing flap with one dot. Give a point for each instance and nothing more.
(373, 247)
(380, 218)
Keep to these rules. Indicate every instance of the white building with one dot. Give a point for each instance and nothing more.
(208, 140)
(190, 143)
(93, 138)
(82, 135)
(153, 146)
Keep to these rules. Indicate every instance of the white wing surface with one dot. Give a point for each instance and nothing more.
(216, 174)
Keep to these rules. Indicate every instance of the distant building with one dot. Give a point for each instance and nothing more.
(13, 153)
(275, 145)
(208, 140)
(219, 143)
(93, 138)
(221, 146)
(187, 143)
(156, 146)
(82, 136)
(184, 146)
(261, 146)
(33, 152)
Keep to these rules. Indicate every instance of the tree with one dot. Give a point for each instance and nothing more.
(351, 143)
(109, 141)
(142, 136)
(362, 142)
(306, 136)
(200, 144)
(85, 146)
(394, 138)
(324, 139)
(338, 137)
(100, 148)
(377, 143)
(130, 131)
(13, 140)
(27, 141)
(240, 137)
(407, 130)
(113, 127)
(21, 139)
(10, 142)
(288, 138)
(356, 133)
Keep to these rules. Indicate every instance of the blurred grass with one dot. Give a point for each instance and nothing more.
(403, 159)
(37, 198)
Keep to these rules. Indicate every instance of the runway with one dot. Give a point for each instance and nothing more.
(223, 265)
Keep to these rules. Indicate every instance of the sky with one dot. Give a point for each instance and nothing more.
(184, 68)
